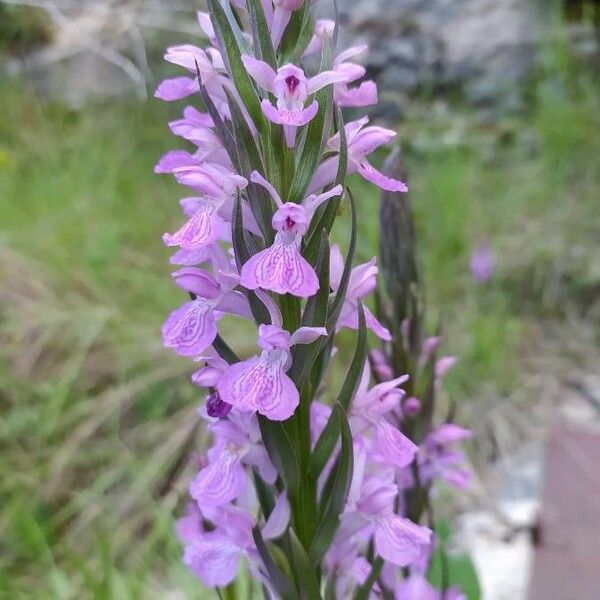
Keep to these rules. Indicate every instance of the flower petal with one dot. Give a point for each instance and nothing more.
(191, 328)
(356, 97)
(393, 446)
(400, 541)
(280, 269)
(258, 384)
(214, 559)
(285, 116)
(278, 519)
(176, 89)
(260, 71)
(202, 229)
(307, 335)
(221, 481)
(370, 173)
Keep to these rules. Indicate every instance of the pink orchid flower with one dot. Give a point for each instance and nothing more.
(363, 280)
(211, 67)
(260, 383)
(361, 141)
(370, 511)
(197, 127)
(292, 89)
(214, 556)
(209, 212)
(191, 328)
(365, 94)
(281, 268)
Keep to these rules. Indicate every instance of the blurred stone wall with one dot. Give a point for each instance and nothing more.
(484, 49)
(480, 51)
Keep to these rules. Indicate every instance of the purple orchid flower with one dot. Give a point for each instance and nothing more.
(370, 511)
(361, 141)
(416, 587)
(324, 29)
(439, 460)
(208, 213)
(363, 280)
(236, 445)
(191, 328)
(291, 88)
(211, 67)
(214, 556)
(197, 127)
(260, 383)
(365, 94)
(281, 268)
(483, 262)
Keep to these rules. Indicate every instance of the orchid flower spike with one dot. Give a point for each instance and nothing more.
(281, 268)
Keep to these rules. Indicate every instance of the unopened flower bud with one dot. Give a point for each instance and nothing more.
(215, 407)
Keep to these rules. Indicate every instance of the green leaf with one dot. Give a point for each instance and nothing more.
(357, 365)
(232, 54)
(222, 130)
(329, 436)
(263, 46)
(265, 494)
(248, 153)
(224, 351)
(340, 295)
(280, 581)
(342, 477)
(281, 453)
(249, 160)
(297, 35)
(304, 570)
(325, 216)
(449, 569)
(364, 591)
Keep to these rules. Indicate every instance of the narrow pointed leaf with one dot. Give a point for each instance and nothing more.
(263, 46)
(329, 436)
(232, 54)
(221, 128)
(342, 477)
(285, 588)
(364, 591)
(250, 160)
(325, 216)
(340, 295)
(297, 35)
(245, 143)
(281, 453)
(224, 351)
(243, 252)
(305, 571)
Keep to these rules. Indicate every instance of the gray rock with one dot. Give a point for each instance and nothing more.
(484, 48)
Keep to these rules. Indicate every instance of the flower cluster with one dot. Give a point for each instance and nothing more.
(311, 493)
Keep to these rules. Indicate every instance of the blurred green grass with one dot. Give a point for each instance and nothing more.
(96, 418)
